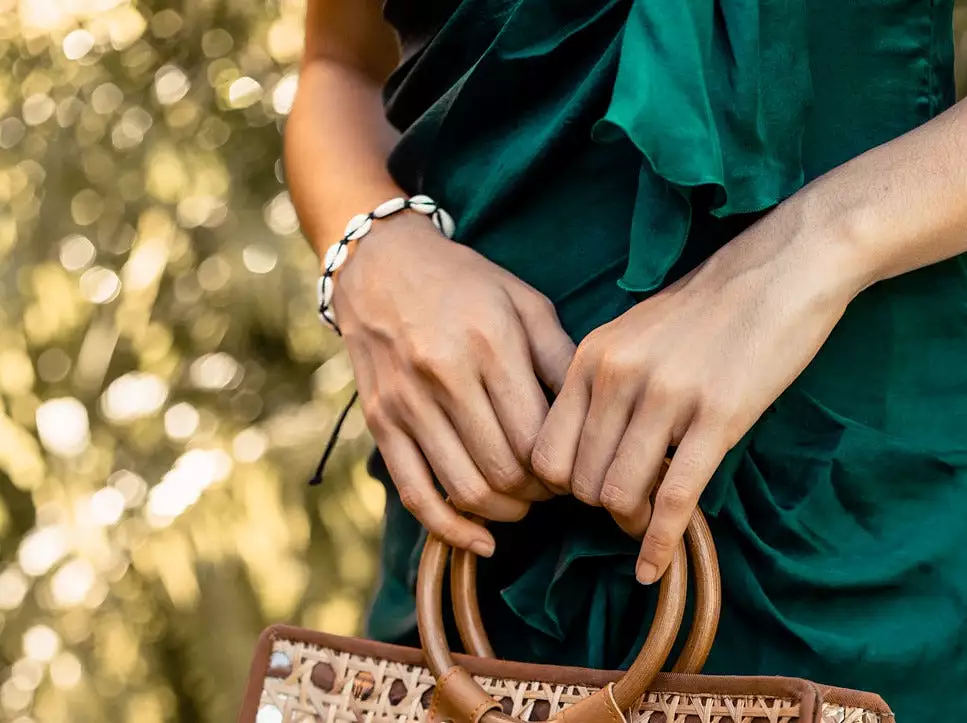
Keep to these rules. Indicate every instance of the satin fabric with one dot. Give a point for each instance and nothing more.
(599, 149)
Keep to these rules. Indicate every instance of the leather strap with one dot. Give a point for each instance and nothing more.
(456, 692)
(466, 605)
(598, 708)
(661, 637)
(708, 599)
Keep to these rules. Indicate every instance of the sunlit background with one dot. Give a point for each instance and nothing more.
(165, 386)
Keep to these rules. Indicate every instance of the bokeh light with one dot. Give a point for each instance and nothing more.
(63, 426)
(159, 362)
(107, 505)
(66, 671)
(41, 549)
(134, 395)
(41, 643)
(72, 582)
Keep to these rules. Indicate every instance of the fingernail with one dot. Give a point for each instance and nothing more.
(482, 548)
(646, 573)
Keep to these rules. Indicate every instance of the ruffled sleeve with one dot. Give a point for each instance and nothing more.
(714, 93)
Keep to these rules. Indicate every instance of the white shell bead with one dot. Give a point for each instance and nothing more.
(335, 256)
(423, 204)
(268, 714)
(325, 291)
(329, 315)
(279, 660)
(390, 207)
(358, 227)
(444, 221)
(319, 290)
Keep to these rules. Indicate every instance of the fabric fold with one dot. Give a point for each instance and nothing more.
(713, 94)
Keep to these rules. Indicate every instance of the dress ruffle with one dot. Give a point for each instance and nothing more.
(713, 94)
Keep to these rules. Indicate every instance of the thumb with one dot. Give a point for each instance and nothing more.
(550, 347)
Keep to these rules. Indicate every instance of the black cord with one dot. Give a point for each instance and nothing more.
(331, 444)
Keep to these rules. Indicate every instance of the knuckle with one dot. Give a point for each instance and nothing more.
(410, 498)
(618, 500)
(589, 347)
(374, 412)
(615, 368)
(659, 545)
(676, 498)
(508, 477)
(545, 466)
(721, 425)
(469, 496)
(667, 387)
(397, 404)
(716, 408)
(585, 489)
(518, 513)
(523, 443)
(481, 336)
(429, 359)
(543, 305)
(448, 530)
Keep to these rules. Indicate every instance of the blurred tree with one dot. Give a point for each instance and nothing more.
(165, 386)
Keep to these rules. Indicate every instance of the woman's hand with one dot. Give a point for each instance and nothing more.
(447, 350)
(693, 368)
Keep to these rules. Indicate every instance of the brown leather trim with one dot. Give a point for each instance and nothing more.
(257, 671)
(598, 708)
(456, 692)
(857, 699)
(809, 695)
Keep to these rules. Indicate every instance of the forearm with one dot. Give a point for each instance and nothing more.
(337, 141)
(896, 208)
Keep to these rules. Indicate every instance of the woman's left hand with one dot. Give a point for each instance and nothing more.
(693, 368)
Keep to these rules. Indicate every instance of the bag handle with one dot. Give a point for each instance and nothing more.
(465, 700)
(698, 645)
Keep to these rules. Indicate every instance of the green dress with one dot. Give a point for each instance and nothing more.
(598, 149)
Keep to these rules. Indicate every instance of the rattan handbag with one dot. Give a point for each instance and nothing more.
(302, 676)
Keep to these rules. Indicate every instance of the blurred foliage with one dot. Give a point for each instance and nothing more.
(165, 386)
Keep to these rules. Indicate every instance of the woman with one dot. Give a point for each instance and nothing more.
(748, 214)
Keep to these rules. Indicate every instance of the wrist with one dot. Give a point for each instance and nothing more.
(399, 226)
(359, 227)
(840, 237)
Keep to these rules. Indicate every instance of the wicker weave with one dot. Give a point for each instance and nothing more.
(309, 684)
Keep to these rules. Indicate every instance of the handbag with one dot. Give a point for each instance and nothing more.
(304, 676)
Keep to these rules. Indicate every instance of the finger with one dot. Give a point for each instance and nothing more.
(550, 347)
(472, 414)
(515, 393)
(557, 442)
(607, 419)
(456, 471)
(413, 480)
(637, 464)
(692, 466)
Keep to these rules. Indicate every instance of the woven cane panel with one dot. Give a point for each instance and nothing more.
(308, 684)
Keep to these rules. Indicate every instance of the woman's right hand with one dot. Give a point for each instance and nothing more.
(447, 350)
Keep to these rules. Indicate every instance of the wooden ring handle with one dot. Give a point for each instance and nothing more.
(651, 658)
(708, 600)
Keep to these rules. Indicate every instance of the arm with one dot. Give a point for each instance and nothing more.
(446, 347)
(896, 208)
(694, 366)
(337, 120)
